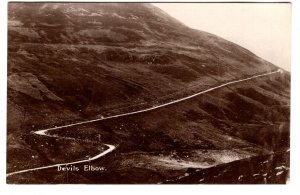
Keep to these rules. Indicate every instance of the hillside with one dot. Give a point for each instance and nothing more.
(69, 62)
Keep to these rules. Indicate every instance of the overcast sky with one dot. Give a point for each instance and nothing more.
(263, 28)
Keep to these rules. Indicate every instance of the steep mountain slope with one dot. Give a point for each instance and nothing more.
(84, 55)
(70, 62)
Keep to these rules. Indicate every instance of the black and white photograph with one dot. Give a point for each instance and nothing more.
(148, 93)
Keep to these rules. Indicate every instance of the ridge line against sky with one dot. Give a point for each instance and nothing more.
(262, 28)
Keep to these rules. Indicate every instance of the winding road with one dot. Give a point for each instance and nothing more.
(43, 132)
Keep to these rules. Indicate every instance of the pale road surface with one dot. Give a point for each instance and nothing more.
(111, 147)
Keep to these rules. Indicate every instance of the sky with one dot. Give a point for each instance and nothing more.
(263, 28)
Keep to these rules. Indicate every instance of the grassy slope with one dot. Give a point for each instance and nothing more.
(196, 124)
(58, 74)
